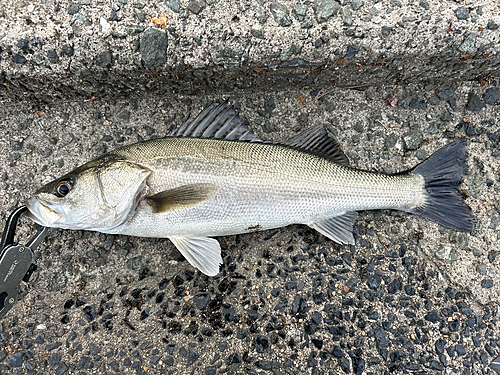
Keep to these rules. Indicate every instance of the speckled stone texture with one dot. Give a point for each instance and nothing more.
(396, 79)
(91, 48)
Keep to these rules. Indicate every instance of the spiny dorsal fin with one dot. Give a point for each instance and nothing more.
(318, 141)
(182, 197)
(221, 122)
(338, 228)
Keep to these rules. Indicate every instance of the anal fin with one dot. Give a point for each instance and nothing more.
(201, 252)
(338, 228)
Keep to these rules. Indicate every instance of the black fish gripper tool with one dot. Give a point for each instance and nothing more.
(16, 260)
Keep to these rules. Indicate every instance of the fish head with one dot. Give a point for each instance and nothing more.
(100, 195)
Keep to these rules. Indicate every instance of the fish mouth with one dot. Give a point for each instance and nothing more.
(41, 213)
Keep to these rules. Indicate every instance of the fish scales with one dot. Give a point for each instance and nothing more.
(259, 185)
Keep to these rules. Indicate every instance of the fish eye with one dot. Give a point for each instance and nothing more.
(63, 188)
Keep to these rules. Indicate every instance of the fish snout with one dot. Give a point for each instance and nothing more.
(42, 213)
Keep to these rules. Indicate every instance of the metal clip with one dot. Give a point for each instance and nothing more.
(15, 260)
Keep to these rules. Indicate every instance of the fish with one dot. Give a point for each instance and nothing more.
(213, 177)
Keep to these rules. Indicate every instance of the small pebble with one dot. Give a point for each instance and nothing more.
(474, 104)
(326, 9)
(53, 56)
(487, 283)
(492, 96)
(462, 13)
(174, 5)
(19, 59)
(433, 317)
(16, 360)
(492, 25)
(280, 13)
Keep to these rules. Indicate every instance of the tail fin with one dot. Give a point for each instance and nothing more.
(443, 173)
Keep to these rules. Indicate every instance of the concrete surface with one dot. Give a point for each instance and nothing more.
(409, 297)
(100, 48)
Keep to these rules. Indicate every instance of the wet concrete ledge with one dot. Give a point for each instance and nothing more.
(288, 75)
(66, 49)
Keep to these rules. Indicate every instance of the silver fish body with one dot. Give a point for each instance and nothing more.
(258, 186)
(214, 178)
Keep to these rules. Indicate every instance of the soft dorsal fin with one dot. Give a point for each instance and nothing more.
(318, 141)
(182, 197)
(221, 122)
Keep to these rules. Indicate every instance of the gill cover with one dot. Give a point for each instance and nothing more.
(121, 184)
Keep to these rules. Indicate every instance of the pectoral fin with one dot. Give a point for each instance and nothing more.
(201, 252)
(338, 228)
(182, 197)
